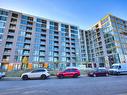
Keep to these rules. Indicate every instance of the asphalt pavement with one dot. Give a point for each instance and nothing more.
(112, 85)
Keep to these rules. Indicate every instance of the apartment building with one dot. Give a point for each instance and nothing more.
(43, 40)
(106, 41)
(40, 40)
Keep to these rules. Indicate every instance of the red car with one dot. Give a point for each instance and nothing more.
(98, 72)
(71, 72)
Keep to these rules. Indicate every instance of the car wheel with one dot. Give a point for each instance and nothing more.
(107, 74)
(94, 75)
(75, 76)
(61, 76)
(43, 77)
(25, 77)
(118, 73)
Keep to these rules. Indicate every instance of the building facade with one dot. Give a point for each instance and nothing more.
(47, 41)
(40, 40)
(107, 41)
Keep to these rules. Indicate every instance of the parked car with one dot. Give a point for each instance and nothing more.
(99, 72)
(70, 72)
(2, 74)
(118, 69)
(38, 73)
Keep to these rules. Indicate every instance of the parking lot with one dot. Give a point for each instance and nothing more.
(112, 85)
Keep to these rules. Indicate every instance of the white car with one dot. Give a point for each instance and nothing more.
(2, 74)
(38, 73)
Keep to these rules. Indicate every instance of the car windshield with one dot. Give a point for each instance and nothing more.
(115, 67)
(100, 70)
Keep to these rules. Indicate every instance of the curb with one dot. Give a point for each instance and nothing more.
(19, 78)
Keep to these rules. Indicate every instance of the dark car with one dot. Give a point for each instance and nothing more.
(70, 72)
(99, 72)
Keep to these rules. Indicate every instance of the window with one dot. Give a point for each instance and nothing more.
(52, 27)
(68, 70)
(37, 40)
(23, 27)
(63, 39)
(63, 59)
(39, 20)
(24, 17)
(2, 24)
(51, 32)
(51, 42)
(23, 22)
(1, 30)
(73, 70)
(36, 52)
(36, 46)
(50, 58)
(74, 64)
(74, 31)
(42, 53)
(63, 54)
(37, 35)
(51, 23)
(35, 71)
(35, 59)
(19, 45)
(20, 38)
(74, 27)
(38, 29)
(63, 34)
(3, 18)
(51, 37)
(1, 37)
(41, 59)
(3, 13)
(38, 25)
(50, 48)
(22, 33)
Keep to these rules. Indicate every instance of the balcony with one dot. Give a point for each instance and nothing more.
(56, 49)
(27, 41)
(67, 55)
(42, 48)
(11, 33)
(26, 47)
(12, 27)
(67, 45)
(73, 55)
(7, 52)
(56, 44)
(43, 42)
(8, 46)
(10, 39)
(42, 54)
(56, 54)
(28, 35)
(26, 53)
